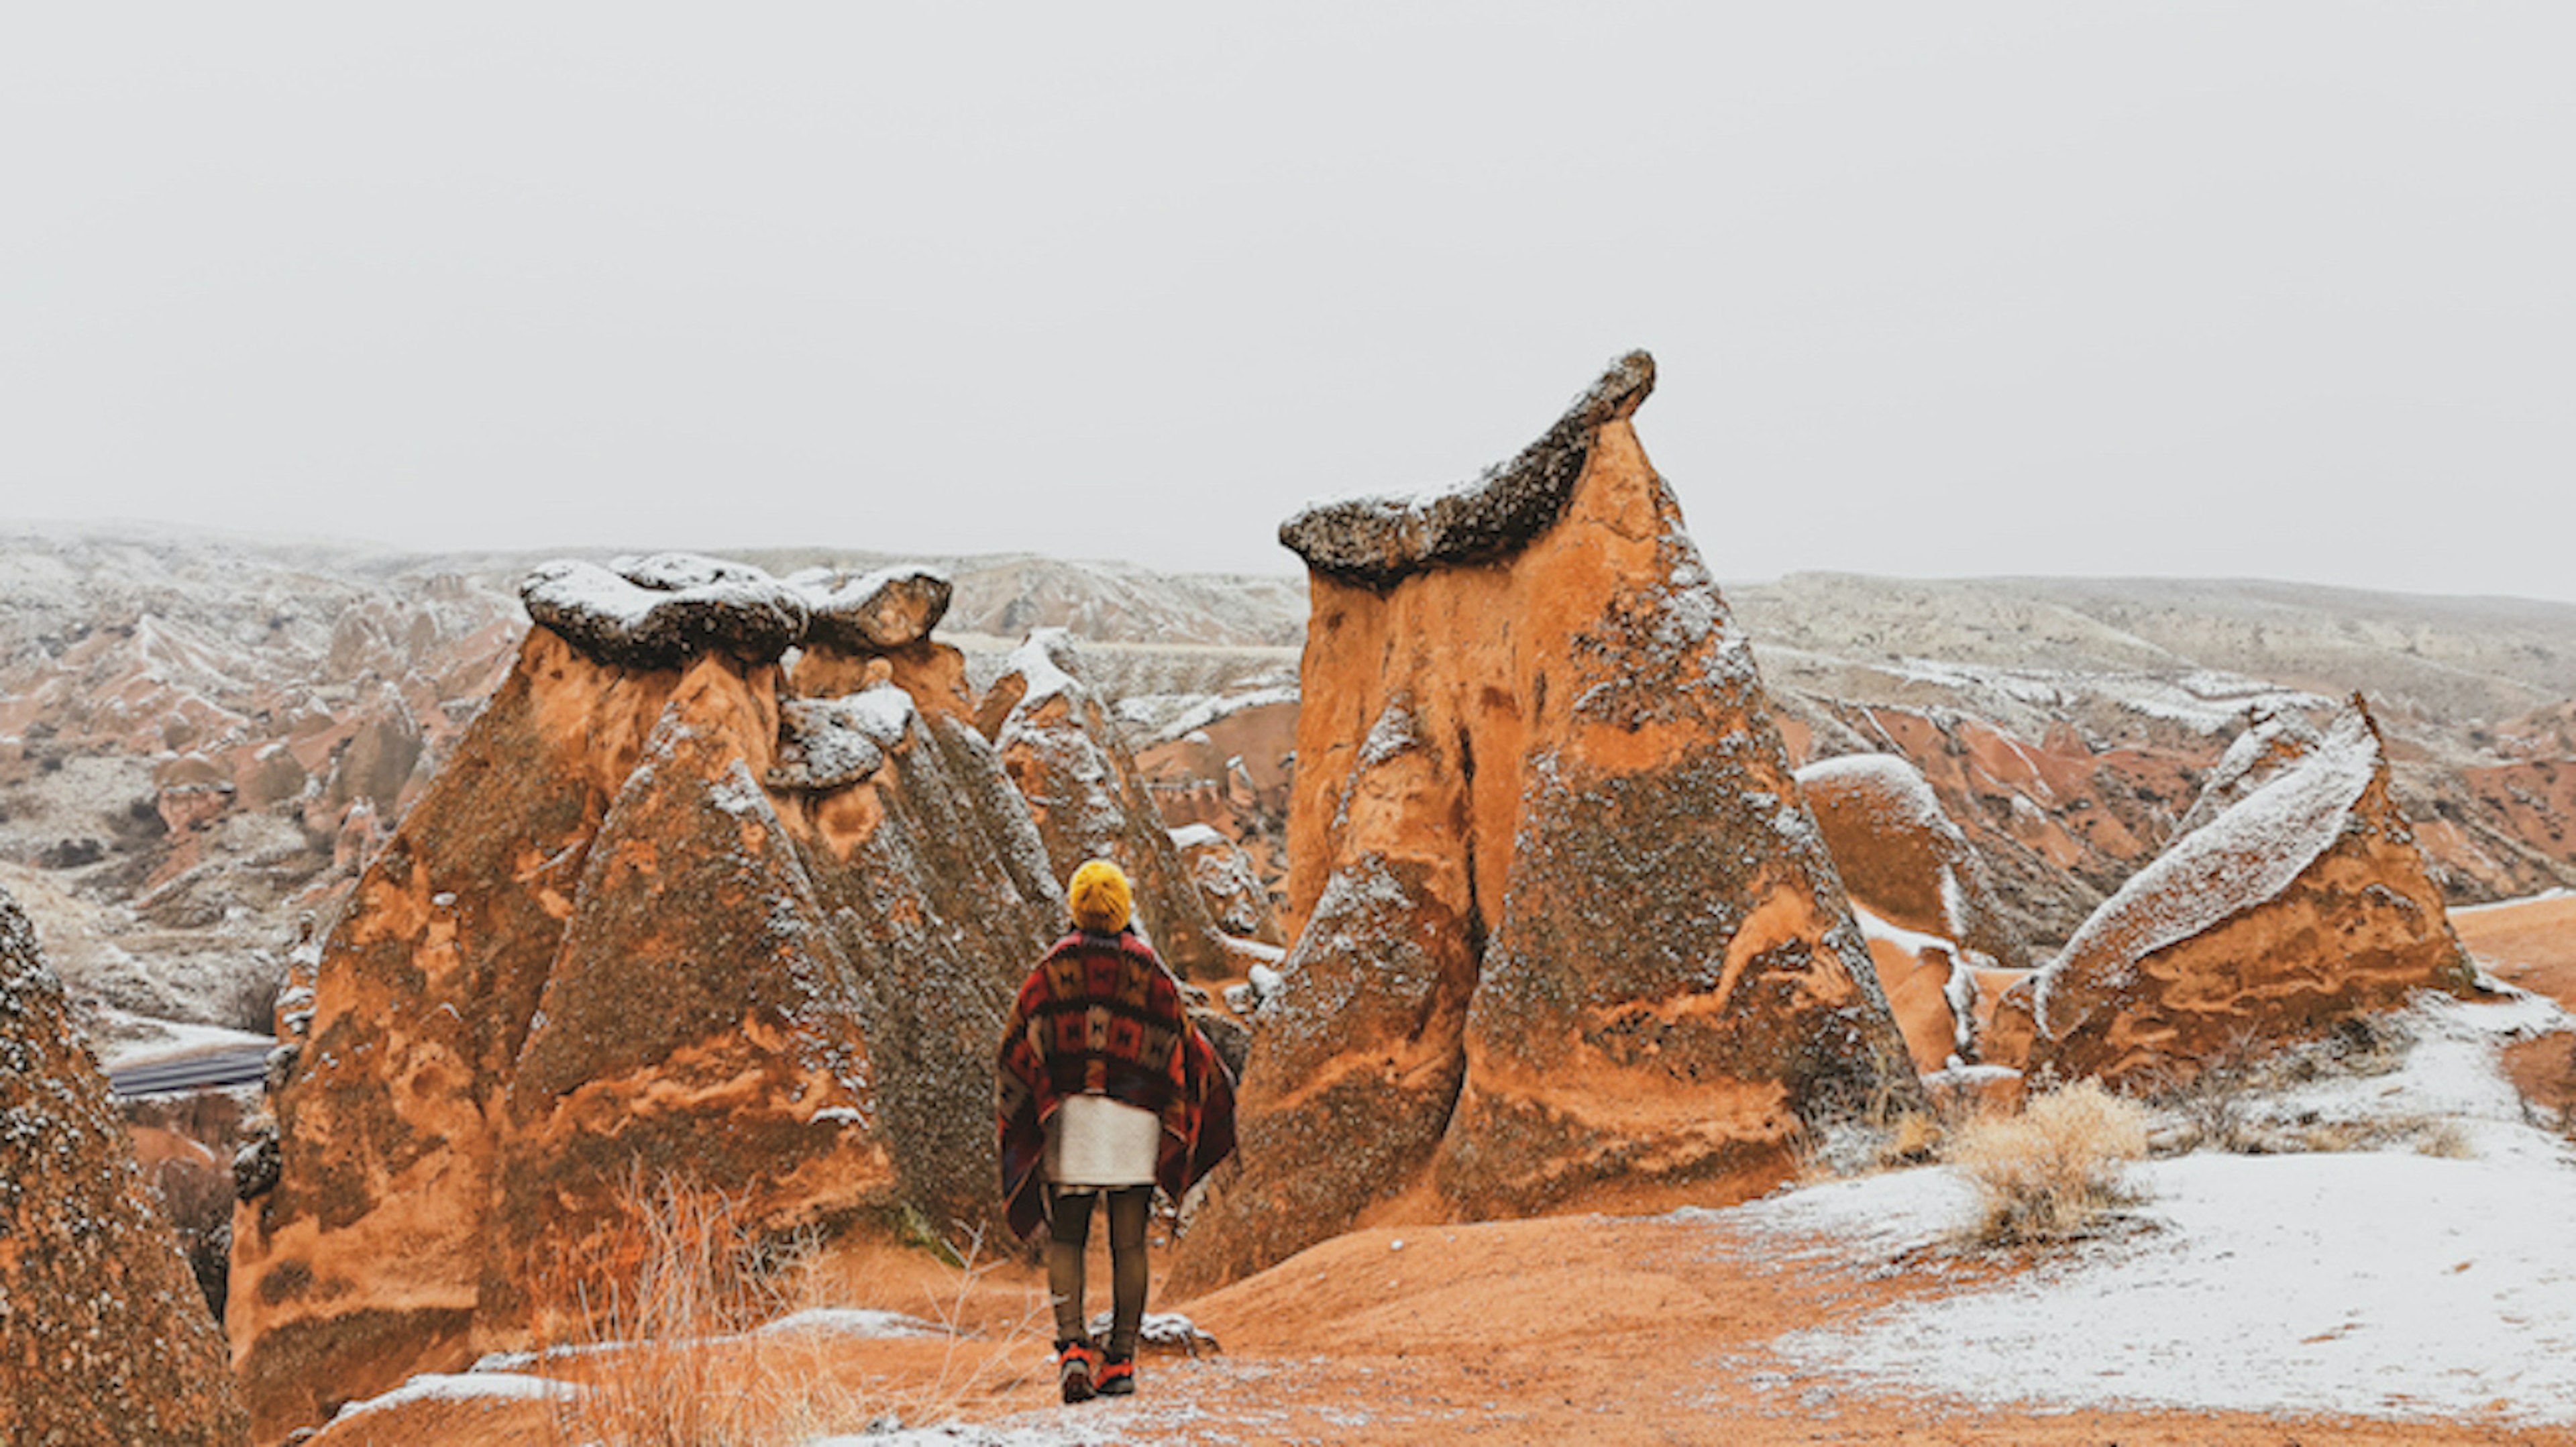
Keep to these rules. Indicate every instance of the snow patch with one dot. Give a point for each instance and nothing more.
(478, 1386)
(2384, 1284)
(852, 1322)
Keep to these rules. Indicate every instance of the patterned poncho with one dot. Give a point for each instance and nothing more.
(1100, 1014)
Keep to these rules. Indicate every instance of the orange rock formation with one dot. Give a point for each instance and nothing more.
(1229, 768)
(1921, 894)
(658, 915)
(104, 1337)
(1570, 937)
(1082, 785)
(1228, 884)
(2302, 902)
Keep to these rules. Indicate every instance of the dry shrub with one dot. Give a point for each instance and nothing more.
(1914, 1139)
(1854, 1130)
(2445, 1140)
(657, 1313)
(2054, 1172)
(656, 1323)
(2213, 1097)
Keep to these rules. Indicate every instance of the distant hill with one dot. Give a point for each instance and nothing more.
(201, 736)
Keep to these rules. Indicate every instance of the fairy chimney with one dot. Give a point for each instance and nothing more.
(659, 916)
(1570, 940)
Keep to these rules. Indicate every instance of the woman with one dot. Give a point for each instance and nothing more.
(1106, 1089)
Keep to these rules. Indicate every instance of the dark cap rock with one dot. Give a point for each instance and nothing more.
(1376, 541)
(883, 610)
(660, 611)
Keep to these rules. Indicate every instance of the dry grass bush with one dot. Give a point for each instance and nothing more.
(1857, 1132)
(2212, 1099)
(2055, 1172)
(656, 1324)
(2217, 1103)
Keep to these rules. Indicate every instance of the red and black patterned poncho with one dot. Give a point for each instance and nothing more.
(1100, 1014)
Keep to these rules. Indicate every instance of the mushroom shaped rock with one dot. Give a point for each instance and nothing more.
(1074, 769)
(2302, 903)
(658, 611)
(876, 628)
(1570, 937)
(1921, 895)
(615, 936)
(105, 1339)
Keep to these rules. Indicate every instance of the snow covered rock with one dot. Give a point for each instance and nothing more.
(1227, 884)
(656, 612)
(1080, 781)
(875, 628)
(2273, 740)
(1569, 936)
(669, 915)
(104, 1337)
(1934, 928)
(1376, 542)
(2301, 903)
(876, 612)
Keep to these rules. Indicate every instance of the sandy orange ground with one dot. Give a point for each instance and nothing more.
(1623, 1332)
(2531, 943)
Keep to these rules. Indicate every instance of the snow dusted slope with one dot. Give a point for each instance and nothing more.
(2386, 1284)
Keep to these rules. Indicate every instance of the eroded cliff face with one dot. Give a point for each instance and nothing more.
(1570, 939)
(660, 915)
(104, 1339)
(2300, 900)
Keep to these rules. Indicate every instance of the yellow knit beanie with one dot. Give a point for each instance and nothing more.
(1100, 897)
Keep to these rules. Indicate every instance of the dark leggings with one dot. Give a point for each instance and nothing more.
(1069, 1231)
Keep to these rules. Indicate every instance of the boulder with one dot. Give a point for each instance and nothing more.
(875, 628)
(105, 1339)
(1921, 894)
(659, 917)
(1081, 783)
(1571, 940)
(2301, 903)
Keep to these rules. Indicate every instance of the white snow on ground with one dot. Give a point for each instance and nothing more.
(2382, 1284)
(1065, 1427)
(850, 1321)
(477, 1386)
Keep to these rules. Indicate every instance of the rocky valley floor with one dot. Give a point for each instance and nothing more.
(2418, 1289)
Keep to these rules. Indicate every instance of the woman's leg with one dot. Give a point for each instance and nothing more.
(1129, 1209)
(1068, 1233)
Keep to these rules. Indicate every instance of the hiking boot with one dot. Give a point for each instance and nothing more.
(1077, 1366)
(1117, 1376)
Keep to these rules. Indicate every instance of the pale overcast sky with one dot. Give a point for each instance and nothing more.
(2282, 290)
